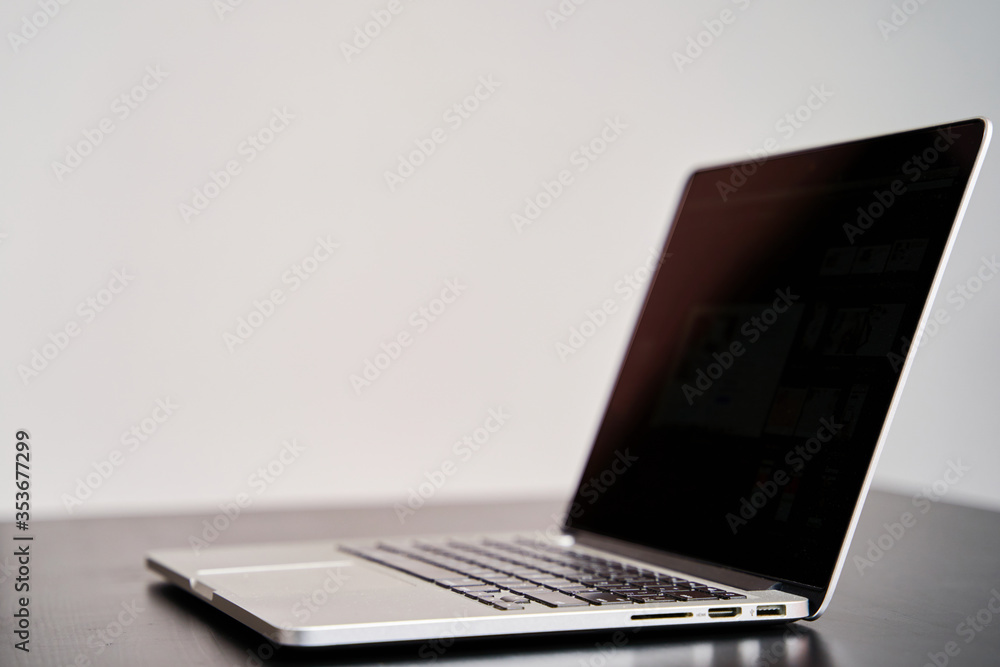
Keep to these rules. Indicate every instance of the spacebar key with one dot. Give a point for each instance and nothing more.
(553, 598)
(604, 597)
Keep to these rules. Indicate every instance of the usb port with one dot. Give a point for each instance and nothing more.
(771, 610)
(724, 612)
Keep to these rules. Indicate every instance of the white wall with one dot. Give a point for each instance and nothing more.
(161, 336)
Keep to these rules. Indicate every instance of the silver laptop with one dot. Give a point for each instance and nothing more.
(735, 452)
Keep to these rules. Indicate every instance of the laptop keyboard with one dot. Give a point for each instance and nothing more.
(512, 575)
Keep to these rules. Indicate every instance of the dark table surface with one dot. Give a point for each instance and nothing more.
(922, 591)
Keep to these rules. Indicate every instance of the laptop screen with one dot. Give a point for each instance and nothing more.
(747, 411)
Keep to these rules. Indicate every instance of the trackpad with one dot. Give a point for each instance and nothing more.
(345, 591)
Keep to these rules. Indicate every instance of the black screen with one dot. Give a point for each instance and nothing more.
(759, 377)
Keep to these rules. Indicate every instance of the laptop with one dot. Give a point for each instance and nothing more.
(729, 470)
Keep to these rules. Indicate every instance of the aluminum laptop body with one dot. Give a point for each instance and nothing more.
(730, 468)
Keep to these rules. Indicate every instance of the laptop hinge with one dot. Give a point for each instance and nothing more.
(722, 575)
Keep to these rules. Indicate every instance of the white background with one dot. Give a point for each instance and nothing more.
(495, 346)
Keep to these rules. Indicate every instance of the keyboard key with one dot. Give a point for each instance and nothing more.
(644, 596)
(498, 602)
(507, 606)
(574, 587)
(603, 597)
(483, 574)
(693, 595)
(460, 581)
(505, 582)
(554, 582)
(478, 589)
(553, 598)
(594, 581)
(528, 588)
(527, 572)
